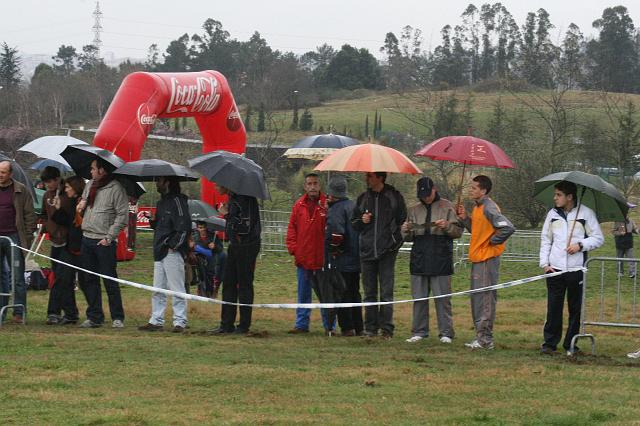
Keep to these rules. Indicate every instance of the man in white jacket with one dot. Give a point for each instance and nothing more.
(569, 231)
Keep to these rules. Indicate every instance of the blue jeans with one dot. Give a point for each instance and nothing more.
(304, 296)
(20, 286)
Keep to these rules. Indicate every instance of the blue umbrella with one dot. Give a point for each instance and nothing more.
(41, 164)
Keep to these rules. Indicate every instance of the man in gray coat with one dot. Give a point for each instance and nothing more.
(105, 208)
(432, 225)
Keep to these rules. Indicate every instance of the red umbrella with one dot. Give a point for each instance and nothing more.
(368, 157)
(466, 150)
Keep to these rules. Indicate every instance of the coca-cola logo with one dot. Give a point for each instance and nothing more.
(145, 118)
(201, 97)
(233, 120)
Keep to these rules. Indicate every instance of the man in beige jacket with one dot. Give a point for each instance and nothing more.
(105, 209)
(432, 225)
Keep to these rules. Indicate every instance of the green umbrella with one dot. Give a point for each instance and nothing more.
(603, 198)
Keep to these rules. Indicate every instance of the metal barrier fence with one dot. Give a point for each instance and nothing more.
(10, 294)
(608, 296)
(522, 246)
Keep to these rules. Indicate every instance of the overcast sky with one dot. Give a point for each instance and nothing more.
(130, 26)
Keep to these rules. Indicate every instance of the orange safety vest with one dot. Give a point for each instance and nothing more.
(480, 249)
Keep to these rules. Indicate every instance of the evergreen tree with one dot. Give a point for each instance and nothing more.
(306, 121)
(9, 66)
(366, 126)
(380, 124)
(294, 121)
(613, 59)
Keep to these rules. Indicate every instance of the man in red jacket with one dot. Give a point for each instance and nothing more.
(305, 241)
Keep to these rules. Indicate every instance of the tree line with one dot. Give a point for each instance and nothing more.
(486, 47)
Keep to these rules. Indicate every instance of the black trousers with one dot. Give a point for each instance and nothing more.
(101, 259)
(237, 285)
(62, 295)
(378, 277)
(352, 317)
(53, 306)
(571, 284)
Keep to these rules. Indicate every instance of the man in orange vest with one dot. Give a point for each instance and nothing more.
(489, 231)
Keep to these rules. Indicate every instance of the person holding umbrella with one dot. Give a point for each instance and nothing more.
(489, 232)
(243, 231)
(242, 180)
(171, 225)
(378, 215)
(570, 230)
(105, 210)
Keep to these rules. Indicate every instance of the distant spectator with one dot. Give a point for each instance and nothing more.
(623, 236)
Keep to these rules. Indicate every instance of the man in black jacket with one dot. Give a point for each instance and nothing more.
(172, 225)
(378, 215)
(432, 225)
(243, 231)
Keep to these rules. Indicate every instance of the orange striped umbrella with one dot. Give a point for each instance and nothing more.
(368, 157)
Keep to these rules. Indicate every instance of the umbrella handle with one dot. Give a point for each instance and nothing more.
(576, 219)
(464, 166)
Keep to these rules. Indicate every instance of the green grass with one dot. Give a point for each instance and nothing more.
(65, 375)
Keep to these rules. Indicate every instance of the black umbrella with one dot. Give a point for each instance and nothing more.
(203, 212)
(19, 175)
(325, 141)
(233, 171)
(150, 170)
(80, 158)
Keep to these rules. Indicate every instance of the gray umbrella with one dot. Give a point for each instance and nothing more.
(203, 212)
(149, 170)
(603, 198)
(233, 171)
(80, 158)
(19, 175)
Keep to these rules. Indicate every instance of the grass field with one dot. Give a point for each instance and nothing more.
(66, 375)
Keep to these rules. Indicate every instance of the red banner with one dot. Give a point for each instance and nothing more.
(144, 213)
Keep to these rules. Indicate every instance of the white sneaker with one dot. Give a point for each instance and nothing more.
(634, 355)
(476, 345)
(117, 324)
(445, 339)
(414, 339)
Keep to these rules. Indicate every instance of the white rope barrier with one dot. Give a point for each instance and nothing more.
(188, 296)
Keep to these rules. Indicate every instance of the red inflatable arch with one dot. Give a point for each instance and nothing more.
(144, 97)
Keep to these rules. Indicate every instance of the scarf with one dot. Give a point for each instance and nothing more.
(97, 184)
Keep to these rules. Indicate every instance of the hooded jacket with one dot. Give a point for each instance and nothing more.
(339, 222)
(382, 235)
(555, 232)
(489, 231)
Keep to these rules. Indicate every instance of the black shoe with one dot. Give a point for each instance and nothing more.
(150, 327)
(240, 331)
(546, 350)
(219, 331)
(53, 320)
(177, 329)
(67, 321)
(298, 331)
